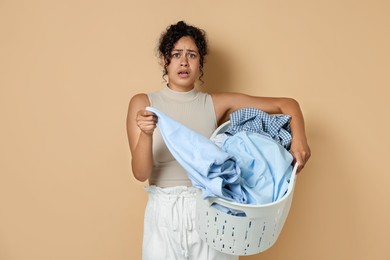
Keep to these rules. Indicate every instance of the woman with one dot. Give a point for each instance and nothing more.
(169, 229)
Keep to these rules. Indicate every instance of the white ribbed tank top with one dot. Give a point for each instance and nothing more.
(193, 109)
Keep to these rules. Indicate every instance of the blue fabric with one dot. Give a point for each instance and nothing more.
(250, 168)
(210, 169)
(265, 166)
(256, 121)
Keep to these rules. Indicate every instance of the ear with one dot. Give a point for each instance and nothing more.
(163, 61)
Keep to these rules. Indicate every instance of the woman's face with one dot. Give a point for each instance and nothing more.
(184, 67)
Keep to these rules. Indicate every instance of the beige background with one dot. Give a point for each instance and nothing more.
(69, 68)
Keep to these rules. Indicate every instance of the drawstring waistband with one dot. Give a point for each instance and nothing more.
(177, 198)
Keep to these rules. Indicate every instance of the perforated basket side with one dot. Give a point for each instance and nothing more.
(243, 235)
(238, 235)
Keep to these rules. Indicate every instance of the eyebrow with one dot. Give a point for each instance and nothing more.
(181, 50)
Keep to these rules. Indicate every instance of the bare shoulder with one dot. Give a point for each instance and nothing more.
(139, 101)
(140, 98)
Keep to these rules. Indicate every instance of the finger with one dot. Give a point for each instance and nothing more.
(299, 160)
(142, 117)
(143, 124)
(147, 128)
(146, 113)
(300, 168)
(148, 119)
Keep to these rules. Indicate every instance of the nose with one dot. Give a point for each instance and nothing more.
(184, 61)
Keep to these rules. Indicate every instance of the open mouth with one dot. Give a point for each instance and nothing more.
(184, 74)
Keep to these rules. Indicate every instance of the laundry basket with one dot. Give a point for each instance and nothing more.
(238, 235)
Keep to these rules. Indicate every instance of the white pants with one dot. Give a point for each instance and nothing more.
(169, 229)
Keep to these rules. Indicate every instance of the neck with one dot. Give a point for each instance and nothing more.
(181, 88)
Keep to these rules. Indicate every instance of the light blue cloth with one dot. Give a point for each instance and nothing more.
(250, 168)
(210, 169)
(265, 166)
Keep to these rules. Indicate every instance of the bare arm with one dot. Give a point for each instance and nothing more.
(226, 103)
(140, 126)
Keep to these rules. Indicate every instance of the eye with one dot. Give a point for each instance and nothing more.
(175, 55)
(191, 55)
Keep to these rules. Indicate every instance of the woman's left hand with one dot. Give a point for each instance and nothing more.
(300, 150)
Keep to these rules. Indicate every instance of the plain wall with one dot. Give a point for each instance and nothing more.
(69, 68)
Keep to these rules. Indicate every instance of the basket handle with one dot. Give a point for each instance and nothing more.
(247, 208)
(293, 177)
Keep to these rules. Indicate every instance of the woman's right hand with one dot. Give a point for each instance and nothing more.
(146, 121)
(140, 127)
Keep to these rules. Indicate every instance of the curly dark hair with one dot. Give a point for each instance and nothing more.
(176, 31)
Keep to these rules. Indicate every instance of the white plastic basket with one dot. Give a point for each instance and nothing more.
(237, 235)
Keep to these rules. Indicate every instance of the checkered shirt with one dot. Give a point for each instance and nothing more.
(254, 120)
